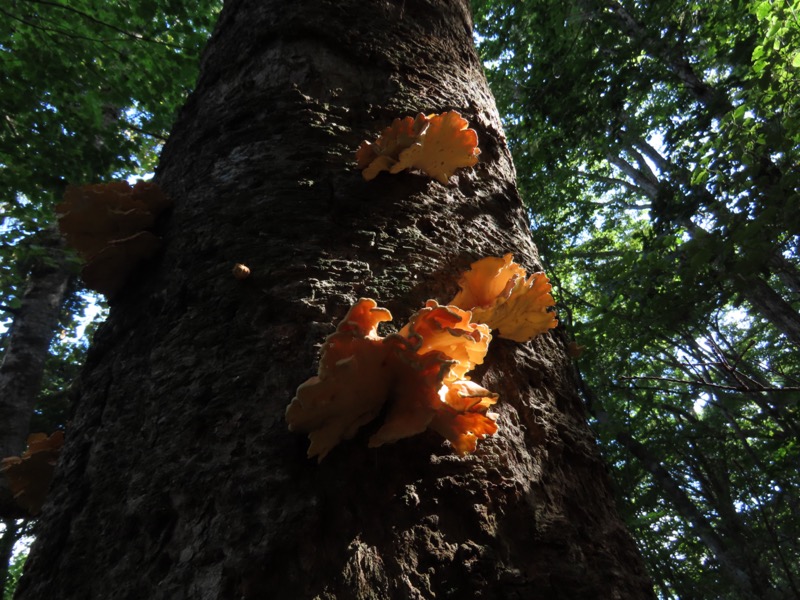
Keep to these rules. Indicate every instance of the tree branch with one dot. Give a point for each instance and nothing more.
(644, 168)
(88, 17)
(659, 161)
(9, 309)
(677, 496)
(613, 181)
(715, 101)
(731, 388)
(639, 178)
(156, 136)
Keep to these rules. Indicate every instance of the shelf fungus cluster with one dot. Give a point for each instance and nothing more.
(437, 145)
(29, 475)
(109, 225)
(420, 375)
(498, 292)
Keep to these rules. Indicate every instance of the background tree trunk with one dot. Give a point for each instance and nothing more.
(179, 478)
(24, 358)
(7, 541)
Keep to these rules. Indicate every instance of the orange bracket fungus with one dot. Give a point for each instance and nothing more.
(421, 372)
(430, 355)
(497, 292)
(437, 145)
(29, 475)
(351, 385)
(463, 419)
(418, 371)
(108, 225)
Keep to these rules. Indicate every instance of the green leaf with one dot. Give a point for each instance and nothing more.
(657, 289)
(700, 177)
(763, 9)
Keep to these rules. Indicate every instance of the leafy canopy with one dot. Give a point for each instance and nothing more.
(657, 147)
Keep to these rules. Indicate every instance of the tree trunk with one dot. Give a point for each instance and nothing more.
(24, 359)
(180, 479)
(7, 541)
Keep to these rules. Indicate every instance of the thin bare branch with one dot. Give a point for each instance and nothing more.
(95, 20)
(718, 386)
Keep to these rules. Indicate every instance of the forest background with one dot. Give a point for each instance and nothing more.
(656, 145)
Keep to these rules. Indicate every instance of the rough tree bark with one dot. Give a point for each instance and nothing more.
(179, 478)
(29, 337)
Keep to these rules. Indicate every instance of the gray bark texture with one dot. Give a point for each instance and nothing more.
(23, 364)
(179, 478)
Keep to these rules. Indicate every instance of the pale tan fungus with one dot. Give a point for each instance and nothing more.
(152, 196)
(91, 216)
(575, 350)
(241, 271)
